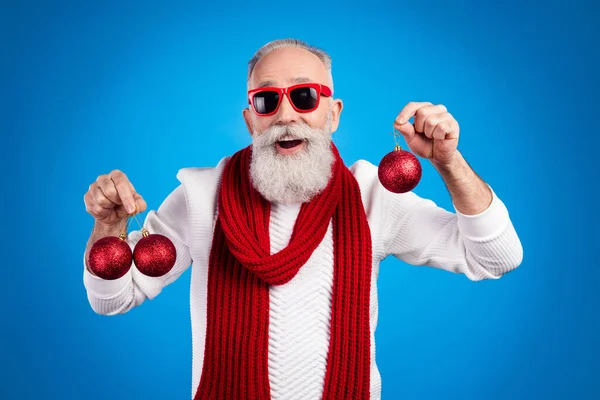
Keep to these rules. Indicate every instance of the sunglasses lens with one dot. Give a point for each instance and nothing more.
(305, 98)
(265, 102)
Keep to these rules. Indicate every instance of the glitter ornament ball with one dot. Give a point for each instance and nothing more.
(399, 171)
(110, 257)
(154, 255)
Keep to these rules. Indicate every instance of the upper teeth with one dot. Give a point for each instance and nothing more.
(287, 137)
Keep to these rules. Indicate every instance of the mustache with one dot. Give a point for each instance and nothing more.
(278, 132)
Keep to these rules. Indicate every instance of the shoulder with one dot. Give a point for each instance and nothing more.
(200, 186)
(363, 170)
(202, 177)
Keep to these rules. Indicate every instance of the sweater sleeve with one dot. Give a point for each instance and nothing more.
(419, 232)
(110, 297)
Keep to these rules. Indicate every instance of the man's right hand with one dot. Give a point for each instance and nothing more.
(112, 198)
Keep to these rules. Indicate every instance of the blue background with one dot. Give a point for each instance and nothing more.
(152, 88)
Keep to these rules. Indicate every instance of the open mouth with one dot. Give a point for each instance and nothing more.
(289, 144)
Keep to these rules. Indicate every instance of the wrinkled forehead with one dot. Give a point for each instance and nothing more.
(288, 66)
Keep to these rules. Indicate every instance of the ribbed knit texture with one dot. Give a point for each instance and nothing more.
(411, 228)
(241, 268)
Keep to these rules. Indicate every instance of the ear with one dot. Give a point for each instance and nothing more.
(336, 111)
(248, 119)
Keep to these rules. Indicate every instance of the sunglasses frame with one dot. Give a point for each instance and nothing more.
(321, 90)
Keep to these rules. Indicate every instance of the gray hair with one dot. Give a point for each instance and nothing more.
(281, 43)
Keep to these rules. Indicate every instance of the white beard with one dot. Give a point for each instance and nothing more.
(295, 177)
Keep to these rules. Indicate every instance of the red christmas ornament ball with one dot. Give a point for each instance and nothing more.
(110, 258)
(399, 171)
(154, 255)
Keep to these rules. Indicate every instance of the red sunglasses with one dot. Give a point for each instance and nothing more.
(304, 97)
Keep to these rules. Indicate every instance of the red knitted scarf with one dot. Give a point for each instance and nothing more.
(241, 268)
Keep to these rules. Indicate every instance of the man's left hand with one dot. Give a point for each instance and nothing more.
(434, 133)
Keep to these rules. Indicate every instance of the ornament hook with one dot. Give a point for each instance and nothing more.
(397, 135)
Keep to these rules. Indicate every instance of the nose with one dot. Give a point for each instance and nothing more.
(286, 113)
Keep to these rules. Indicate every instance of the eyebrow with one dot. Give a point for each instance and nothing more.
(301, 79)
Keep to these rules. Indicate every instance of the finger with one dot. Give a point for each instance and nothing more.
(95, 211)
(140, 203)
(101, 200)
(443, 130)
(124, 190)
(410, 110)
(433, 121)
(109, 191)
(454, 133)
(92, 206)
(407, 131)
(425, 112)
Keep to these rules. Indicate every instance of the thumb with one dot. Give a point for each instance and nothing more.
(406, 129)
(140, 203)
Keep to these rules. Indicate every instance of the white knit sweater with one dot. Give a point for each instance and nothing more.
(409, 227)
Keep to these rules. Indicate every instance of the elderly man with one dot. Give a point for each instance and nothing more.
(285, 240)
